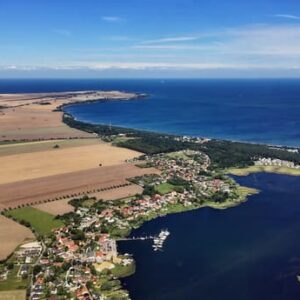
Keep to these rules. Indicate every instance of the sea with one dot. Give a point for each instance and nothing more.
(249, 252)
(261, 111)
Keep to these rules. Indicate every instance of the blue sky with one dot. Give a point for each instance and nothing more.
(150, 38)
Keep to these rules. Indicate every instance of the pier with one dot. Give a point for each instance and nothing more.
(158, 240)
(141, 238)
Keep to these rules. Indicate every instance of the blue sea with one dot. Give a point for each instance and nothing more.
(263, 111)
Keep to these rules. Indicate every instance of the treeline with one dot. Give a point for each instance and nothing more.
(223, 154)
(102, 130)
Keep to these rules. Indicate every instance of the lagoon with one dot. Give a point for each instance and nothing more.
(247, 252)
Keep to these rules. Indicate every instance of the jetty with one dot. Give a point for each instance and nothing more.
(158, 241)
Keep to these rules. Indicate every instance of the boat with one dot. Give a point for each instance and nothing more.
(159, 240)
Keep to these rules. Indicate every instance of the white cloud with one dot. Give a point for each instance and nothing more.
(287, 16)
(257, 40)
(111, 19)
(134, 66)
(251, 47)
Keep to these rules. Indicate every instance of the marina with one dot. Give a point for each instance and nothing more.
(158, 241)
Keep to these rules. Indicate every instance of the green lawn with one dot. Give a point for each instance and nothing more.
(123, 271)
(178, 155)
(13, 282)
(164, 188)
(40, 221)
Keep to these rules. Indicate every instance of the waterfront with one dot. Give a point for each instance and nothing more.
(248, 252)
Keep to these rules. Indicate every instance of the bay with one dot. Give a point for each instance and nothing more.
(248, 252)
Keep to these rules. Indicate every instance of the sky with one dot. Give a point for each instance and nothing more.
(149, 38)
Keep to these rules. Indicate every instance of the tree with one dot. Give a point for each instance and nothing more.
(37, 269)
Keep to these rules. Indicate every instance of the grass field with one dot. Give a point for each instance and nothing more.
(14, 282)
(245, 191)
(179, 155)
(268, 169)
(164, 188)
(13, 295)
(40, 221)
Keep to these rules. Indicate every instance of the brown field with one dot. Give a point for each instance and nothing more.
(20, 167)
(11, 148)
(24, 118)
(119, 193)
(13, 295)
(32, 123)
(58, 207)
(12, 234)
(35, 191)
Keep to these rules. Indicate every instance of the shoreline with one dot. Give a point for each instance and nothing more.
(265, 169)
(242, 193)
(38, 116)
(233, 171)
(143, 95)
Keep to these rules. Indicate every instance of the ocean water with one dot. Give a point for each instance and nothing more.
(250, 252)
(264, 111)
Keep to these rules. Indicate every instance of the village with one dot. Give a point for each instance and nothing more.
(276, 162)
(81, 261)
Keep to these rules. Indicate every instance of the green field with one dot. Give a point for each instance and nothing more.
(13, 295)
(268, 169)
(245, 191)
(13, 282)
(40, 221)
(179, 155)
(165, 188)
(123, 271)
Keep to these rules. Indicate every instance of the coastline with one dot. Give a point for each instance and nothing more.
(243, 192)
(267, 169)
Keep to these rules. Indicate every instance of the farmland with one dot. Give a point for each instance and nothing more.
(11, 148)
(11, 235)
(39, 190)
(24, 166)
(119, 193)
(35, 116)
(13, 295)
(40, 221)
(58, 207)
